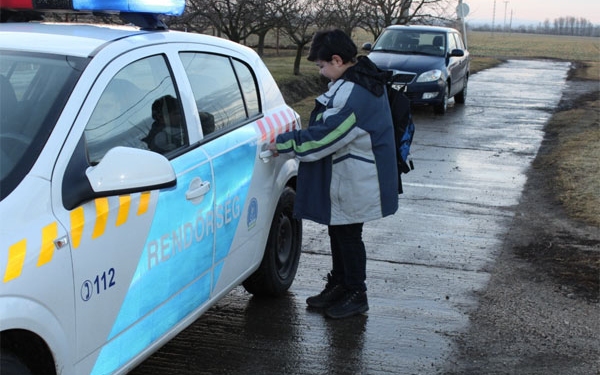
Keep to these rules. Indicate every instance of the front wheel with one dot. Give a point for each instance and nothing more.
(461, 97)
(280, 261)
(441, 108)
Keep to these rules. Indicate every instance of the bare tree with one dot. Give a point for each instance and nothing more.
(343, 14)
(192, 19)
(229, 17)
(266, 17)
(299, 18)
(547, 26)
(382, 13)
(237, 19)
(559, 24)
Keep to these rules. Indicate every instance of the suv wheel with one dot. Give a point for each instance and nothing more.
(278, 268)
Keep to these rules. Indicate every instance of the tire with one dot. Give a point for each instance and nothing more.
(462, 95)
(10, 364)
(441, 108)
(280, 261)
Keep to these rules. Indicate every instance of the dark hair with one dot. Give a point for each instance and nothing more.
(327, 43)
(164, 104)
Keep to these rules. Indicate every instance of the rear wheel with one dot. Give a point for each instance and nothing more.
(10, 364)
(441, 108)
(280, 261)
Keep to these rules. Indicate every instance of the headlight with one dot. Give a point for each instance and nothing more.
(430, 76)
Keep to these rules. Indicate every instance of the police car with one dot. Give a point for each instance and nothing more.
(136, 186)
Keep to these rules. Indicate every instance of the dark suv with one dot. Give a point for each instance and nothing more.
(432, 61)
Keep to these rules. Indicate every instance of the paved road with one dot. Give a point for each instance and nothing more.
(425, 264)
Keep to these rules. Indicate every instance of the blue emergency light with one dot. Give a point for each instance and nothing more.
(166, 7)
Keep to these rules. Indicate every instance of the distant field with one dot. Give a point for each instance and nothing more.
(486, 49)
(486, 44)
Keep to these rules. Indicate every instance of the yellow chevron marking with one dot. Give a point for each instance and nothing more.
(49, 234)
(124, 204)
(16, 260)
(101, 217)
(77, 221)
(144, 203)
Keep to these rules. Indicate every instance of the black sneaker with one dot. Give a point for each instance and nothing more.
(329, 296)
(354, 302)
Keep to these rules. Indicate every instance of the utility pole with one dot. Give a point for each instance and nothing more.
(494, 18)
(462, 11)
(505, 6)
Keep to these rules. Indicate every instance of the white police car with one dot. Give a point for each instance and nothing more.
(135, 186)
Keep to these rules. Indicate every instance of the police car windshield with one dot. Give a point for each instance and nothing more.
(33, 91)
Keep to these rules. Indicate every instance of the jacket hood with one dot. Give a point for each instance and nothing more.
(366, 74)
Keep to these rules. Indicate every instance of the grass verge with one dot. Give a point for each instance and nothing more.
(576, 152)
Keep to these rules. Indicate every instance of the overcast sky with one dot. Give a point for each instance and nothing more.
(532, 10)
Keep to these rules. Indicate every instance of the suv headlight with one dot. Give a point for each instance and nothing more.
(430, 76)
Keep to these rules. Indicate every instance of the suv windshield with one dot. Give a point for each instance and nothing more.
(411, 41)
(33, 91)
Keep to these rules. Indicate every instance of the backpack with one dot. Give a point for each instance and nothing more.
(404, 128)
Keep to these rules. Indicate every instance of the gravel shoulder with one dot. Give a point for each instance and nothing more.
(540, 312)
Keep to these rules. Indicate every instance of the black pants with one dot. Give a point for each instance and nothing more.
(348, 255)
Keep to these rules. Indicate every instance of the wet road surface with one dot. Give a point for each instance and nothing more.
(424, 264)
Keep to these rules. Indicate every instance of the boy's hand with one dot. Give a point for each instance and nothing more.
(273, 148)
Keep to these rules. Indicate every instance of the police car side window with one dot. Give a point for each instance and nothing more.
(248, 85)
(218, 94)
(139, 108)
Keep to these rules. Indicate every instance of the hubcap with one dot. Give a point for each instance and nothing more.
(284, 246)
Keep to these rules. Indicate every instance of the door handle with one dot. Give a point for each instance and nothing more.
(197, 190)
(265, 155)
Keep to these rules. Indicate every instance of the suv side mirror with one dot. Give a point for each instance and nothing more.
(457, 53)
(367, 46)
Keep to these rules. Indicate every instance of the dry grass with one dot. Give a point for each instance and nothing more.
(577, 153)
(281, 66)
(578, 178)
(501, 45)
(575, 160)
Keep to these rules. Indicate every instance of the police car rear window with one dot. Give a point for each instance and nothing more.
(225, 90)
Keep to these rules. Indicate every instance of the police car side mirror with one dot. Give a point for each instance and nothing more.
(125, 169)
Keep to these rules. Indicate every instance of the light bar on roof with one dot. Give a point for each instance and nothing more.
(16, 4)
(166, 7)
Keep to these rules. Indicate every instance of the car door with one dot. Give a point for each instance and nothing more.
(142, 256)
(235, 125)
(464, 63)
(457, 64)
(231, 144)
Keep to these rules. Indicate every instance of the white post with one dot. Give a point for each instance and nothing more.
(461, 14)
